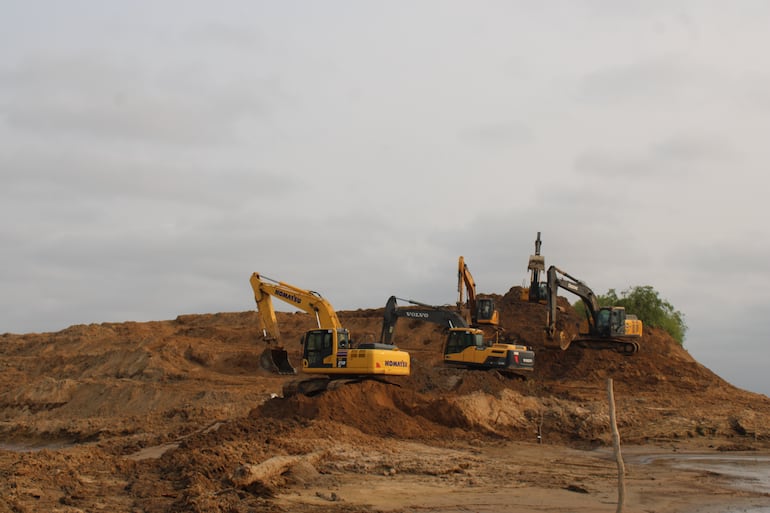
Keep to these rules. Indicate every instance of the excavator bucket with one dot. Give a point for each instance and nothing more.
(276, 360)
(558, 340)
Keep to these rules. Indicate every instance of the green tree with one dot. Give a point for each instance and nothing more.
(647, 305)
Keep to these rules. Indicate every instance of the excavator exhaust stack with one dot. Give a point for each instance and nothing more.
(276, 360)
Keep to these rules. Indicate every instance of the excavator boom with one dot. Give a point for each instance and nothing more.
(423, 312)
(573, 285)
(305, 300)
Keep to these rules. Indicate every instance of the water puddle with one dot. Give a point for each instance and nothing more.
(746, 472)
(749, 472)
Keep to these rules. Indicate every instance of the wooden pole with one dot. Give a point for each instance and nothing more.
(616, 446)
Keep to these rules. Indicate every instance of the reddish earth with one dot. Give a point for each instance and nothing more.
(178, 415)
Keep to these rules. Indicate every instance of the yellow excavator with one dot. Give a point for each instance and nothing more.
(477, 311)
(464, 346)
(607, 327)
(327, 351)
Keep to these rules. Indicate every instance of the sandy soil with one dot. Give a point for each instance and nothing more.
(178, 415)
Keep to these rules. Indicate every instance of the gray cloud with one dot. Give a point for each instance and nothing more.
(504, 134)
(670, 159)
(101, 98)
(669, 78)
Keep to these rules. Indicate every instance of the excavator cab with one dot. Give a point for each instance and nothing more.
(611, 321)
(487, 314)
(462, 338)
(320, 344)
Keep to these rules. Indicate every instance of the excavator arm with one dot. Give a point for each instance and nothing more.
(571, 284)
(421, 311)
(265, 289)
(306, 300)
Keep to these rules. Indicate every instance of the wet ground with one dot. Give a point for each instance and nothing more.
(744, 472)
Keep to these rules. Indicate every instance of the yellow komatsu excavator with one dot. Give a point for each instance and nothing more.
(477, 311)
(327, 351)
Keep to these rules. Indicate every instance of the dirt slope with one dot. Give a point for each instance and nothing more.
(177, 415)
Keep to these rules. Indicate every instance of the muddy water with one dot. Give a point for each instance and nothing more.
(747, 473)
(751, 473)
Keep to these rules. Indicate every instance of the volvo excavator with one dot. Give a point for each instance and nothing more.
(476, 310)
(327, 351)
(607, 327)
(464, 345)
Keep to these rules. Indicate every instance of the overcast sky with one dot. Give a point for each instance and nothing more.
(155, 154)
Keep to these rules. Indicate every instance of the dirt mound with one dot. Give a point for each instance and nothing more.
(78, 380)
(387, 410)
(372, 407)
(166, 415)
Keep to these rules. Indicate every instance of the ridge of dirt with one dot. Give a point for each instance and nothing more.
(171, 415)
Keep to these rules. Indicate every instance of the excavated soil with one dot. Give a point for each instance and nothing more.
(179, 415)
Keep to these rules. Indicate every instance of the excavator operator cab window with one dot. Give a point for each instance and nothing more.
(485, 309)
(603, 321)
(459, 340)
(327, 346)
(455, 343)
(318, 345)
(618, 321)
(343, 341)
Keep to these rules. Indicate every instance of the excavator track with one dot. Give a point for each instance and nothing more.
(316, 385)
(561, 341)
(622, 346)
